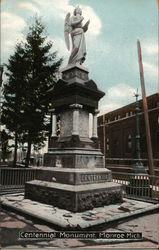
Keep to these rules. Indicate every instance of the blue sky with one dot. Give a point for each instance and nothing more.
(115, 26)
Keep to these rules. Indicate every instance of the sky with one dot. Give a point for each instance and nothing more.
(111, 41)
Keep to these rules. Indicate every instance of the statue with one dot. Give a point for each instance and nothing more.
(73, 26)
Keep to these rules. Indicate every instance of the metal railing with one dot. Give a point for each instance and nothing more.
(14, 178)
(141, 186)
(129, 161)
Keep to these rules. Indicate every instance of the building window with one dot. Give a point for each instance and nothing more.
(129, 143)
(127, 114)
(107, 144)
(116, 148)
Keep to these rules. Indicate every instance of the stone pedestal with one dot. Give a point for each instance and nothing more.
(75, 198)
(74, 176)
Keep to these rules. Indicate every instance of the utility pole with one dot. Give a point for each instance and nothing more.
(158, 46)
(104, 134)
(148, 136)
(138, 166)
(1, 73)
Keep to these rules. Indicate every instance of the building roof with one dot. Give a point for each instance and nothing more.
(128, 110)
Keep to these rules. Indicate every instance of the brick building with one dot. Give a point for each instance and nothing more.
(117, 131)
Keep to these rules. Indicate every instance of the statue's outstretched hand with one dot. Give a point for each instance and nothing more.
(85, 27)
(82, 18)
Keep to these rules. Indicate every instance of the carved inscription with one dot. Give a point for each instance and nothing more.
(93, 177)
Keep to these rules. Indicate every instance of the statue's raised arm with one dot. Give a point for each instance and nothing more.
(73, 26)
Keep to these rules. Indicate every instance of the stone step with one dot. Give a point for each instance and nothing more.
(74, 176)
(74, 158)
(73, 188)
(11, 191)
(74, 198)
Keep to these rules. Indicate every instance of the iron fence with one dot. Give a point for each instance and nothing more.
(129, 161)
(14, 178)
(141, 186)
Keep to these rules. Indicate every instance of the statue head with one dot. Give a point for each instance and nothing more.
(77, 10)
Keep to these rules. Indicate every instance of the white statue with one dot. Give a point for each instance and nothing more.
(73, 26)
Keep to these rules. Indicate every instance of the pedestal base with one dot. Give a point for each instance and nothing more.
(74, 158)
(75, 198)
(74, 176)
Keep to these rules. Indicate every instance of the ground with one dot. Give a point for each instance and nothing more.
(12, 223)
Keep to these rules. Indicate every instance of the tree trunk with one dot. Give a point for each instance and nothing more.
(15, 149)
(28, 154)
(3, 157)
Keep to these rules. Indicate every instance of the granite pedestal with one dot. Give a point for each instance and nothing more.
(74, 176)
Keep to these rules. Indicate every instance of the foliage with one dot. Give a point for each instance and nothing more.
(5, 149)
(31, 74)
(14, 89)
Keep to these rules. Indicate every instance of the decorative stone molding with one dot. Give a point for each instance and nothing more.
(94, 128)
(75, 73)
(54, 123)
(75, 107)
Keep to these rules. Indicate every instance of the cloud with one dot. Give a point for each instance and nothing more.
(95, 22)
(151, 48)
(59, 46)
(108, 107)
(116, 97)
(52, 11)
(11, 30)
(151, 69)
(59, 8)
(55, 11)
(12, 22)
(29, 6)
(120, 91)
(55, 8)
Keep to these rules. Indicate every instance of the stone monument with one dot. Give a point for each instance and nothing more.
(74, 176)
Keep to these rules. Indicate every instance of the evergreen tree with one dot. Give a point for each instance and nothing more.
(31, 74)
(42, 66)
(5, 145)
(14, 89)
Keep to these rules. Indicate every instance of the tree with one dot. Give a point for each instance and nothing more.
(5, 145)
(26, 92)
(31, 74)
(14, 89)
(42, 66)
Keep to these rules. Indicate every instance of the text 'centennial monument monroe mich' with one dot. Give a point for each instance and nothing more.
(74, 176)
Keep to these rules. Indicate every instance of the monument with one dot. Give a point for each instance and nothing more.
(74, 176)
